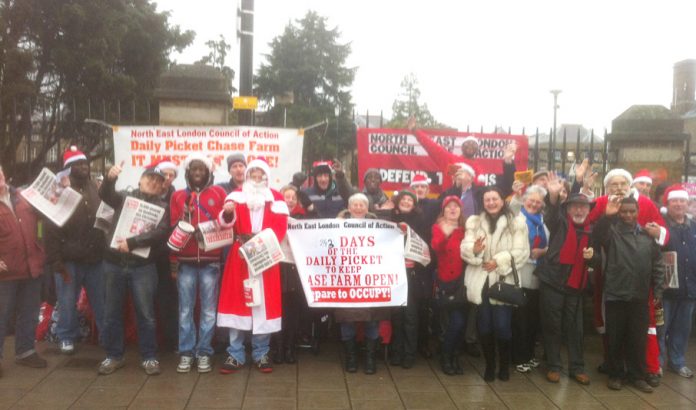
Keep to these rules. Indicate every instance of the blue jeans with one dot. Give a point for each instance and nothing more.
(674, 335)
(88, 275)
(496, 319)
(142, 282)
(371, 329)
(204, 280)
(260, 345)
(23, 298)
(454, 330)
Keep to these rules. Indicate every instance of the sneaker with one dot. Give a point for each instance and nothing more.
(615, 384)
(534, 363)
(642, 385)
(67, 347)
(230, 365)
(553, 377)
(185, 363)
(204, 365)
(685, 372)
(151, 367)
(264, 365)
(523, 368)
(653, 380)
(109, 365)
(33, 360)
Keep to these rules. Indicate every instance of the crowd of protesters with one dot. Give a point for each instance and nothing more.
(552, 241)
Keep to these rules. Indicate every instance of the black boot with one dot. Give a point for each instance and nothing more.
(370, 356)
(504, 353)
(351, 356)
(290, 354)
(446, 363)
(488, 348)
(456, 364)
(277, 349)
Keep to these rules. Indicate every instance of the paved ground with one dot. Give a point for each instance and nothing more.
(316, 382)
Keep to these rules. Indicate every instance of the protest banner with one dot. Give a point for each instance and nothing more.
(349, 262)
(143, 145)
(261, 252)
(212, 236)
(137, 217)
(55, 201)
(416, 249)
(399, 156)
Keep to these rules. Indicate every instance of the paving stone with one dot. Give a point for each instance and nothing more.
(372, 391)
(149, 403)
(419, 384)
(112, 396)
(10, 395)
(376, 404)
(427, 400)
(217, 398)
(263, 403)
(323, 400)
(473, 394)
(272, 389)
(527, 401)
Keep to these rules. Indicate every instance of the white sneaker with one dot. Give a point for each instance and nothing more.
(686, 372)
(185, 363)
(67, 347)
(204, 365)
(534, 363)
(151, 367)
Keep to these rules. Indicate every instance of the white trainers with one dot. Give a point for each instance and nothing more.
(185, 363)
(685, 372)
(151, 367)
(67, 347)
(204, 365)
(109, 365)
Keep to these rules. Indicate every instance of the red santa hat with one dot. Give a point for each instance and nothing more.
(675, 191)
(464, 167)
(193, 157)
(72, 155)
(618, 172)
(469, 138)
(420, 179)
(169, 165)
(261, 164)
(643, 176)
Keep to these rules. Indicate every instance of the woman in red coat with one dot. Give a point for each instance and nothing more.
(448, 233)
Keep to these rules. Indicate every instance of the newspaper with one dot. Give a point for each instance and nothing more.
(212, 236)
(137, 217)
(105, 217)
(285, 246)
(54, 200)
(416, 249)
(669, 259)
(261, 252)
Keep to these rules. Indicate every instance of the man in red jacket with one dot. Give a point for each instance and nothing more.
(21, 264)
(194, 268)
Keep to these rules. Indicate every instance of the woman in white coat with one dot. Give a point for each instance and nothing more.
(493, 239)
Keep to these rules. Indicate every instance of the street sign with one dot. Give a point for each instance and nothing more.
(245, 103)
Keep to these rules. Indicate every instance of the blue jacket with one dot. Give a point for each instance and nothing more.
(682, 239)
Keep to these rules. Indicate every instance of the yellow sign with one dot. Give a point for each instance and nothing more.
(245, 103)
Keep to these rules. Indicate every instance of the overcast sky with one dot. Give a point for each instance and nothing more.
(484, 62)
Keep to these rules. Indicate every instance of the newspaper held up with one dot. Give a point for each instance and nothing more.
(137, 217)
(211, 236)
(52, 197)
(669, 259)
(105, 217)
(416, 249)
(261, 252)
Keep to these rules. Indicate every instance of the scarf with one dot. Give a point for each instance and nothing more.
(537, 233)
(571, 254)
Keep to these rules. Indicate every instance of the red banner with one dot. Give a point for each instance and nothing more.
(399, 157)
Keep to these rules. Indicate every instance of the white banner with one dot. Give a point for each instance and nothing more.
(350, 262)
(55, 200)
(138, 147)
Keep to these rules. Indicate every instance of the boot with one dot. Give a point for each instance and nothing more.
(370, 356)
(504, 354)
(446, 363)
(277, 350)
(351, 356)
(488, 349)
(457, 365)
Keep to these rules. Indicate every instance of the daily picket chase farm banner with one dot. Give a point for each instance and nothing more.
(140, 146)
(399, 156)
(349, 262)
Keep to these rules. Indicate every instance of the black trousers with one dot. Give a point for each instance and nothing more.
(405, 328)
(525, 328)
(561, 321)
(627, 330)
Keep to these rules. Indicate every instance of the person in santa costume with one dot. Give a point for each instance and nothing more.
(249, 210)
(617, 183)
(642, 182)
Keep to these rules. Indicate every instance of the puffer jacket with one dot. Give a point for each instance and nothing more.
(20, 247)
(510, 239)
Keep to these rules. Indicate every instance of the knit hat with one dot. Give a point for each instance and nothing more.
(168, 165)
(321, 167)
(236, 157)
(261, 164)
(404, 192)
(464, 167)
(578, 198)
(618, 172)
(675, 191)
(643, 176)
(195, 157)
(451, 198)
(72, 155)
(420, 179)
(372, 171)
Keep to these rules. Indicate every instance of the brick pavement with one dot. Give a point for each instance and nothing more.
(316, 382)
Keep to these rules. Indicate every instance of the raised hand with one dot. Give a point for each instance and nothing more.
(509, 152)
(517, 188)
(411, 123)
(652, 229)
(228, 208)
(115, 171)
(479, 245)
(555, 184)
(581, 170)
(336, 166)
(613, 205)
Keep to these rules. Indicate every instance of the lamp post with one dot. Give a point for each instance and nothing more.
(337, 112)
(552, 139)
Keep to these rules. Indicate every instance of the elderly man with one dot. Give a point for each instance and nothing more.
(679, 301)
(249, 210)
(21, 264)
(617, 183)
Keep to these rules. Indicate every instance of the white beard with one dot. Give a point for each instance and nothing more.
(255, 194)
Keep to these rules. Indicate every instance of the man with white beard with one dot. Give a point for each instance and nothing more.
(249, 210)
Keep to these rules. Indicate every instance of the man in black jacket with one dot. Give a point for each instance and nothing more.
(74, 253)
(124, 270)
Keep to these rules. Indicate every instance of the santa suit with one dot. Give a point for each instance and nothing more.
(647, 212)
(446, 159)
(232, 309)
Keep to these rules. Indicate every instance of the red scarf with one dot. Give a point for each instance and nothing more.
(571, 254)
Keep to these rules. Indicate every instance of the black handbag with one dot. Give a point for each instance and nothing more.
(507, 293)
(451, 294)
